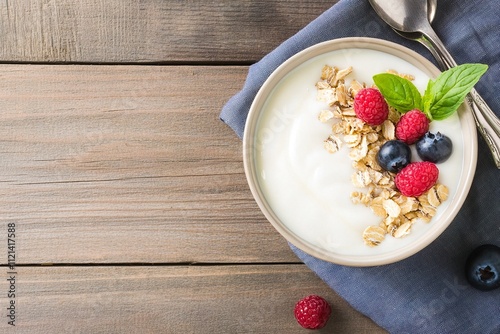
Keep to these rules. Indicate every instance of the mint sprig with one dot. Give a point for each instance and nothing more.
(442, 96)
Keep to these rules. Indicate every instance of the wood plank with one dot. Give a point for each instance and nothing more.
(115, 164)
(179, 299)
(149, 31)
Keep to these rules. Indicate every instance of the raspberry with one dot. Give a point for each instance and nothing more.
(312, 312)
(416, 178)
(370, 106)
(412, 126)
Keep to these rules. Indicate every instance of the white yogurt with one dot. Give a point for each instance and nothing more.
(308, 188)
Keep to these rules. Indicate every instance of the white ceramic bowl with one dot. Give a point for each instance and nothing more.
(304, 191)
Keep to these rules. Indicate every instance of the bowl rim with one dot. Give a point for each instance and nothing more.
(417, 60)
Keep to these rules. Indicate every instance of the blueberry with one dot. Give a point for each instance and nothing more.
(482, 267)
(435, 148)
(394, 155)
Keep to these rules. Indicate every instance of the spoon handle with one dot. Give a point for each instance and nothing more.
(441, 62)
(489, 132)
(487, 122)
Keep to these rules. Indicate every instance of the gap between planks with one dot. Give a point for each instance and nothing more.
(179, 264)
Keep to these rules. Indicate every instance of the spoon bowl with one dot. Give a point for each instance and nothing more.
(418, 37)
(431, 14)
(405, 16)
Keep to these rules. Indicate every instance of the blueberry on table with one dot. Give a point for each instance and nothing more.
(435, 148)
(394, 155)
(482, 268)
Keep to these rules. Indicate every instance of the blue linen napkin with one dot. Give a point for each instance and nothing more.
(426, 293)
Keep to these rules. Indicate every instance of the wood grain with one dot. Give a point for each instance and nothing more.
(120, 164)
(149, 31)
(123, 176)
(178, 299)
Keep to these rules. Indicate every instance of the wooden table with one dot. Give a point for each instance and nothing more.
(127, 194)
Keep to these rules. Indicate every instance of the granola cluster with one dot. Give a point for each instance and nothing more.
(377, 189)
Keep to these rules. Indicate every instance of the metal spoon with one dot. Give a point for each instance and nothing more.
(410, 16)
(418, 37)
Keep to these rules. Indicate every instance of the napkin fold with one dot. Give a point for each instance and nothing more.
(426, 293)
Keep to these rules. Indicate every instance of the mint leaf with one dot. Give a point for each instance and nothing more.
(444, 95)
(427, 99)
(399, 93)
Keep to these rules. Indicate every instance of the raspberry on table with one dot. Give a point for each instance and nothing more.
(416, 178)
(412, 126)
(370, 106)
(312, 312)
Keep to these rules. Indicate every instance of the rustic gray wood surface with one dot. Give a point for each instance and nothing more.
(131, 209)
